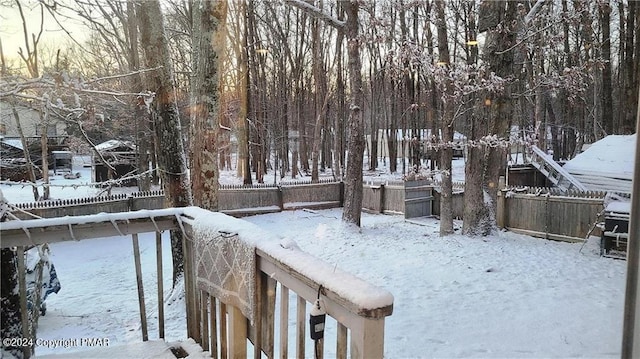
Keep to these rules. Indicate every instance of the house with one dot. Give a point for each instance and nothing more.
(30, 121)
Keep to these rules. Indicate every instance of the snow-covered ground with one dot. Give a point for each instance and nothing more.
(504, 295)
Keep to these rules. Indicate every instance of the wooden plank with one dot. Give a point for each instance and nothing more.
(237, 333)
(318, 347)
(204, 319)
(341, 345)
(224, 343)
(160, 277)
(141, 302)
(191, 294)
(257, 325)
(214, 328)
(284, 322)
(15, 237)
(300, 326)
(268, 314)
(555, 237)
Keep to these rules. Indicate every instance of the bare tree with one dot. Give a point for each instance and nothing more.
(172, 159)
(209, 19)
(446, 152)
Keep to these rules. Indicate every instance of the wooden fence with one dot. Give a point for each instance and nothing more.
(90, 205)
(236, 200)
(411, 198)
(540, 212)
(549, 213)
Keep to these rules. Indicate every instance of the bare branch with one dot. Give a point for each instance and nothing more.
(534, 11)
(316, 12)
(123, 75)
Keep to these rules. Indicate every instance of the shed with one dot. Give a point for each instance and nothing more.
(607, 165)
(62, 161)
(120, 155)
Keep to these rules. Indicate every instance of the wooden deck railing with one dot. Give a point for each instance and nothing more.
(358, 308)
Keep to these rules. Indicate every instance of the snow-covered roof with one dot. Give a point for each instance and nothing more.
(113, 144)
(606, 165)
(13, 142)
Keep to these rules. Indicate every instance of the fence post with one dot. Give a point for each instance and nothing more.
(501, 213)
(382, 194)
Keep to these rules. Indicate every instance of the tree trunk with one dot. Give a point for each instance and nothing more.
(244, 167)
(44, 145)
(209, 40)
(355, 151)
(446, 152)
(171, 159)
(501, 112)
(140, 110)
(607, 99)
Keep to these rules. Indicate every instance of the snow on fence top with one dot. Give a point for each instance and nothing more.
(86, 200)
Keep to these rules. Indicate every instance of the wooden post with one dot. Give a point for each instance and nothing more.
(143, 311)
(501, 210)
(367, 341)
(160, 285)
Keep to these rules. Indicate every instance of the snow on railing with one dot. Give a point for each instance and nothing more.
(358, 307)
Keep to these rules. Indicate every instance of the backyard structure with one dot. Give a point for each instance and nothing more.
(13, 161)
(113, 160)
(605, 165)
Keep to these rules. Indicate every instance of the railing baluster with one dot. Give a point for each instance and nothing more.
(237, 333)
(143, 310)
(204, 317)
(268, 328)
(341, 346)
(224, 351)
(284, 322)
(160, 285)
(258, 324)
(300, 326)
(214, 331)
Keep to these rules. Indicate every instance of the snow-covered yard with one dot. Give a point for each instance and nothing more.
(502, 296)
